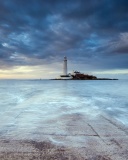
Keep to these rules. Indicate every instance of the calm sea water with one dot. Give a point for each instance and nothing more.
(24, 103)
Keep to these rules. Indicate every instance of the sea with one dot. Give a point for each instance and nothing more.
(27, 105)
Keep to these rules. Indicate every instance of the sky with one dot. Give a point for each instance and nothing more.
(35, 35)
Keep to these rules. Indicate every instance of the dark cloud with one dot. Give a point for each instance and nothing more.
(35, 31)
(123, 49)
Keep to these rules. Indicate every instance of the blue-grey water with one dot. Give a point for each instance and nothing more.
(26, 105)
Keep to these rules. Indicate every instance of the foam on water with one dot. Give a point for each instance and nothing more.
(28, 106)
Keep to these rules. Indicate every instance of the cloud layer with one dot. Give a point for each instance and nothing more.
(91, 33)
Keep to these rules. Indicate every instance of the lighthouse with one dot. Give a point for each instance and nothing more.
(65, 74)
(65, 66)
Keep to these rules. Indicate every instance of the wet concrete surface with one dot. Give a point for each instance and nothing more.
(54, 125)
(68, 136)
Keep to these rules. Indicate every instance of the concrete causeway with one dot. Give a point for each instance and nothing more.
(51, 124)
(70, 136)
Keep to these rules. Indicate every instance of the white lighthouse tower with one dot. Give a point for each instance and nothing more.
(65, 66)
(65, 74)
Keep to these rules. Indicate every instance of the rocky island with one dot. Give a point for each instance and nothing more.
(81, 76)
(75, 75)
